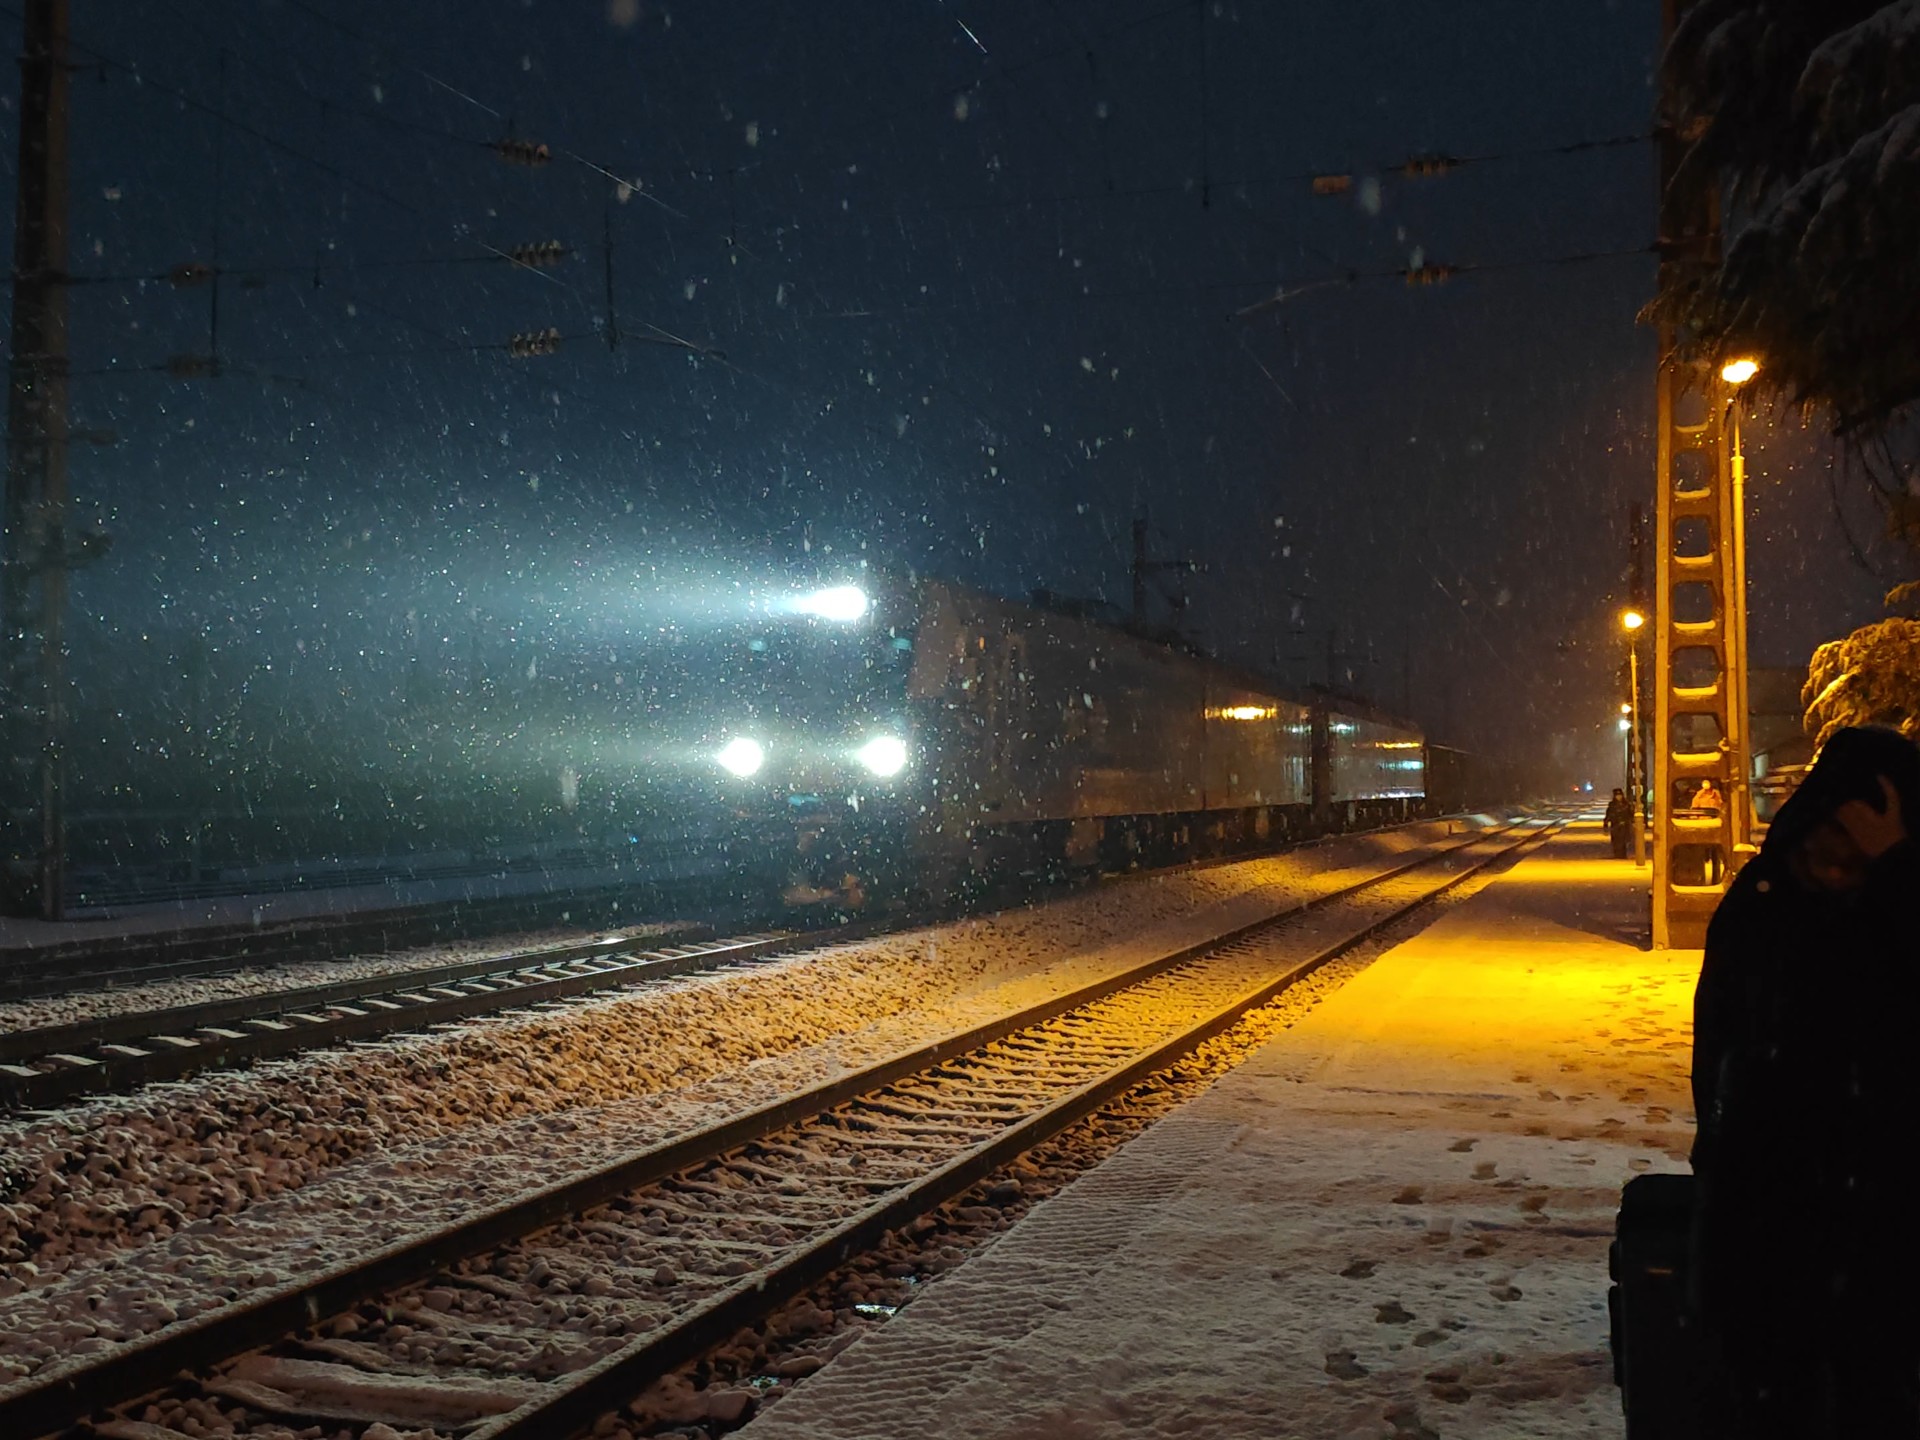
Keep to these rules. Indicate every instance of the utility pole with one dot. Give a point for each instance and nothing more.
(33, 535)
(1637, 752)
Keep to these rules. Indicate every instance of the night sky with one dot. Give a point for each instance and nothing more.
(942, 286)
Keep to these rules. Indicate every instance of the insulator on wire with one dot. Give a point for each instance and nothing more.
(522, 152)
(543, 256)
(191, 273)
(527, 344)
(1332, 184)
(1429, 274)
(1421, 166)
(192, 367)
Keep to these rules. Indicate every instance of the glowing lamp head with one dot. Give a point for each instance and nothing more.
(884, 755)
(841, 603)
(1625, 725)
(1631, 620)
(1626, 708)
(741, 757)
(1739, 371)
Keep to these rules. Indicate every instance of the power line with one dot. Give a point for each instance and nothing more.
(273, 142)
(1425, 274)
(1414, 275)
(537, 256)
(328, 102)
(627, 183)
(1410, 167)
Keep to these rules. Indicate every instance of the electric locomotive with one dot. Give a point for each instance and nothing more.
(920, 736)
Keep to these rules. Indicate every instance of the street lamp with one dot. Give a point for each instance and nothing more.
(1735, 373)
(1631, 622)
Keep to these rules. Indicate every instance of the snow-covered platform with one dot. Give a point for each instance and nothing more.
(1392, 1221)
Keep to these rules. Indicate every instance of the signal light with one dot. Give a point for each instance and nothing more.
(1429, 274)
(530, 343)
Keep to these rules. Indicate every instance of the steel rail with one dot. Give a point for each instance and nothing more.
(65, 1395)
(172, 1045)
(31, 972)
(24, 1044)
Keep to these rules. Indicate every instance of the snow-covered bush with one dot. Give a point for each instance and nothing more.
(1872, 677)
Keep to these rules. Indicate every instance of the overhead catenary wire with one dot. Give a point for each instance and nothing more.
(193, 102)
(1429, 274)
(1408, 167)
(628, 183)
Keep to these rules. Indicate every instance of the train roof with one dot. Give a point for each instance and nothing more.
(1105, 616)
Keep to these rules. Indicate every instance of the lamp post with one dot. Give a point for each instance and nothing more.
(1631, 621)
(1734, 374)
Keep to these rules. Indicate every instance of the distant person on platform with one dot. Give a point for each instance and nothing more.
(1708, 798)
(1806, 1256)
(1619, 822)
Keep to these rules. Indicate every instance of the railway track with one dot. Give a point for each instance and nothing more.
(108, 962)
(540, 1315)
(50, 1065)
(44, 1067)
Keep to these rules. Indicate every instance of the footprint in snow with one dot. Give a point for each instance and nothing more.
(1429, 1337)
(1407, 1424)
(1639, 1164)
(1342, 1366)
(1504, 1292)
(1445, 1385)
(1534, 1203)
(1391, 1313)
(1358, 1270)
(1460, 1147)
(1409, 1196)
(1485, 1170)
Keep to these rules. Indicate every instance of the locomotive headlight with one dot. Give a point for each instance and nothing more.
(741, 756)
(884, 755)
(845, 603)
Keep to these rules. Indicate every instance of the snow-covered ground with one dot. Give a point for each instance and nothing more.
(127, 1212)
(1391, 1222)
(82, 1005)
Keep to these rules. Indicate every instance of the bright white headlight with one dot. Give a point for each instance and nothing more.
(884, 755)
(741, 756)
(841, 602)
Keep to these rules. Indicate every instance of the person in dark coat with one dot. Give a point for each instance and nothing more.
(1805, 1270)
(1619, 823)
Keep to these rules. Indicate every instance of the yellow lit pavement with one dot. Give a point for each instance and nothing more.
(1392, 1221)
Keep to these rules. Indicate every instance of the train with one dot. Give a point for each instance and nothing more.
(918, 737)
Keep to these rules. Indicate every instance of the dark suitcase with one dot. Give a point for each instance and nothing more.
(1656, 1352)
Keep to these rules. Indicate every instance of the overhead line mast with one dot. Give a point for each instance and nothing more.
(1699, 669)
(34, 547)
